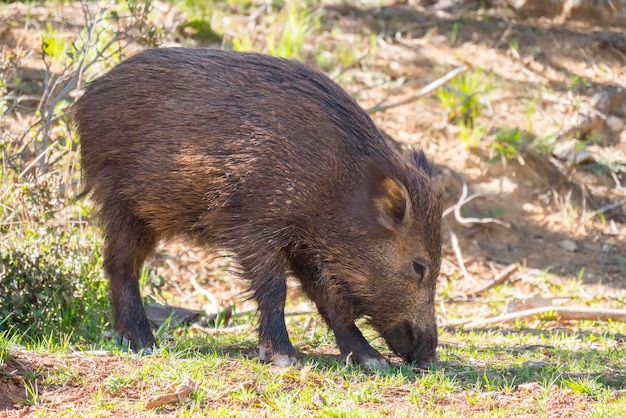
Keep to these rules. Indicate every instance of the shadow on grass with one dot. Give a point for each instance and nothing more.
(466, 366)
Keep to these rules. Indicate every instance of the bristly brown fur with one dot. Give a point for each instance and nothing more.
(273, 161)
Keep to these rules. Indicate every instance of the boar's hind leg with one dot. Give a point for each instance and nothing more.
(349, 338)
(270, 291)
(127, 243)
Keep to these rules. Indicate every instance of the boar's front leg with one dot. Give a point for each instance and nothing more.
(270, 291)
(339, 317)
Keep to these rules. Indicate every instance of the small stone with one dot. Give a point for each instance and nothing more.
(530, 386)
(569, 245)
(374, 363)
(496, 186)
(523, 304)
(613, 227)
(318, 400)
(615, 124)
(534, 364)
(283, 360)
(396, 68)
(530, 208)
(568, 151)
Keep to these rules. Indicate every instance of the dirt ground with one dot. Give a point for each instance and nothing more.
(546, 202)
(89, 372)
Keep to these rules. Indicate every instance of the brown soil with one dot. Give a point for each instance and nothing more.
(88, 372)
(544, 200)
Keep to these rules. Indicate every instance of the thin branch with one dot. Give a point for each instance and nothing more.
(198, 288)
(39, 157)
(606, 208)
(499, 279)
(454, 241)
(503, 36)
(380, 107)
(456, 208)
(463, 199)
(558, 313)
(226, 330)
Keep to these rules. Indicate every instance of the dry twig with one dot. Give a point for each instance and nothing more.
(224, 330)
(558, 313)
(454, 241)
(499, 279)
(456, 208)
(380, 107)
(463, 199)
(606, 208)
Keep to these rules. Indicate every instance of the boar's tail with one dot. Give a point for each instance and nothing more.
(81, 195)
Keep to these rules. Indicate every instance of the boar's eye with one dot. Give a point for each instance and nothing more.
(420, 270)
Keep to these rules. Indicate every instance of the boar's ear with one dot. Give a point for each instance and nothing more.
(392, 203)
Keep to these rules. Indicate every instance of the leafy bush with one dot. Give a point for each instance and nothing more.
(51, 283)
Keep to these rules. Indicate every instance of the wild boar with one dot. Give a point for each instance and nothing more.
(271, 160)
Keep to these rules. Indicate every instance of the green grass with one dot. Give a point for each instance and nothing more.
(8, 340)
(463, 97)
(484, 373)
(464, 101)
(286, 32)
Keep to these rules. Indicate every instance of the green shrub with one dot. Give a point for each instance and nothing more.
(50, 283)
(463, 98)
(50, 280)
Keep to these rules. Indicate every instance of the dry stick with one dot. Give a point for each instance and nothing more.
(454, 241)
(198, 288)
(606, 208)
(499, 279)
(618, 184)
(503, 36)
(421, 92)
(355, 64)
(462, 201)
(456, 208)
(228, 330)
(48, 101)
(559, 313)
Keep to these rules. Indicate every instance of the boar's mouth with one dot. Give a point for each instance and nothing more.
(412, 343)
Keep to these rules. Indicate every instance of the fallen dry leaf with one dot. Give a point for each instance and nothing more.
(183, 391)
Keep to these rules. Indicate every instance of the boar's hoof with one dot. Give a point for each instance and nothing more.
(278, 359)
(122, 341)
(424, 365)
(374, 363)
(284, 360)
(370, 362)
(128, 346)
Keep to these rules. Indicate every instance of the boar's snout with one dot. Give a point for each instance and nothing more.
(414, 343)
